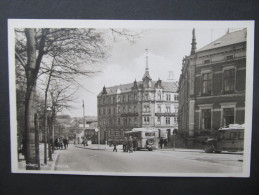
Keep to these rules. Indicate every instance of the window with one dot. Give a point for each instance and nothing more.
(230, 57)
(168, 109)
(228, 116)
(114, 110)
(135, 97)
(109, 110)
(110, 122)
(124, 121)
(206, 83)
(129, 108)
(159, 109)
(129, 121)
(159, 120)
(168, 97)
(167, 120)
(104, 111)
(119, 109)
(135, 108)
(206, 119)
(124, 99)
(145, 96)
(114, 99)
(206, 61)
(119, 121)
(129, 98)
(175, 97)
(159, 95)
(229, 80)
(176, 109)
(146, 120)
(146, 108)
(99, 111)
(119, 98)
(175, 119)
(124, 109)
(103, 100)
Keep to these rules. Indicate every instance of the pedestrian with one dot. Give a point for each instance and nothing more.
(165, 143)
(161, 142)
(135, 144)
(65, 143)
(114, 146)
(124, 144)
(130, 144)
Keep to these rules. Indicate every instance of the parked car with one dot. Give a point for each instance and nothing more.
(227, 139)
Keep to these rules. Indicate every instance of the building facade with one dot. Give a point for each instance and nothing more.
(140, 104)
(212, 86)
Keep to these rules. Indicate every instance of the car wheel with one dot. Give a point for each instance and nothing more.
(209, 148)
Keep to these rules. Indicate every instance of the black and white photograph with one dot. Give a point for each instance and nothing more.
(131, 98)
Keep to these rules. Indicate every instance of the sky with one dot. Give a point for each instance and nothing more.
(127, 62)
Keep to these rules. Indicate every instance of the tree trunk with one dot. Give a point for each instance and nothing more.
(31, 156)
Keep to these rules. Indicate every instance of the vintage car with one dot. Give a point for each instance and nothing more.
(227, 139)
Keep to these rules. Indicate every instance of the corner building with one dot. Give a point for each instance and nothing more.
(143, 104)
(212, 87)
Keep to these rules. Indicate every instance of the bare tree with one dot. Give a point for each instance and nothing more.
(72, 52)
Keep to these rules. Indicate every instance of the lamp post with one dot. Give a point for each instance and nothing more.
(48, 131)
(98, 136)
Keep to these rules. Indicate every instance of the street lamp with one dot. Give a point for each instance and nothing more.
(48, 110)
(98, 136)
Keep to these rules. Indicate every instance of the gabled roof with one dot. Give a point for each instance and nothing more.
(227, 39)
(167, 86)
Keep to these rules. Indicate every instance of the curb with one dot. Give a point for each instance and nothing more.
(52, 168)
(91, 148)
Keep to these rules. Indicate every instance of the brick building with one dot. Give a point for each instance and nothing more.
(139, 104)
(212, 86)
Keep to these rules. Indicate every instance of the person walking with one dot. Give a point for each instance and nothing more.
(161, 142)
(65, 143)
(165, 143)
(124, 144)
(130, 145)
(114, 146)
(135, 144)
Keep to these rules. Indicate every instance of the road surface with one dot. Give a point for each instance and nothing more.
(158, 161)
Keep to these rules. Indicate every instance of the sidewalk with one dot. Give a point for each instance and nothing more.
(50, 164)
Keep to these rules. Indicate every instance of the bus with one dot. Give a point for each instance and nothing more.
(146, 138)
(227, 139)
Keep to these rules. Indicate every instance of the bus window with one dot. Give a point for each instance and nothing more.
(241, 135)
(233, 135)
(149, 134)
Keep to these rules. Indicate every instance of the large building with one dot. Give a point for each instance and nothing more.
(212, 86)
(139, 104)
